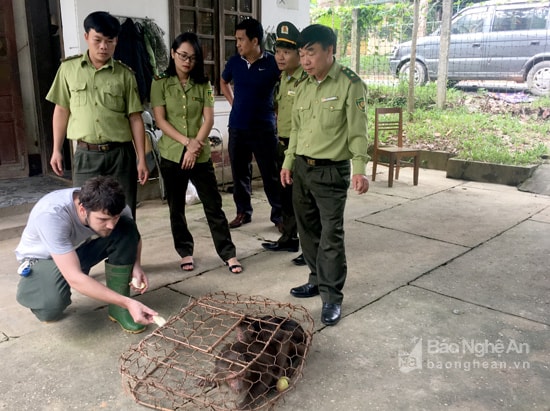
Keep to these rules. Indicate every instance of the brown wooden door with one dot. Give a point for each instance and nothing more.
(13, 157)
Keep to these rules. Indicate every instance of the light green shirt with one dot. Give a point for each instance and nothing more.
(184, 110)
(329, 120)
(99, 101)
(284, 99)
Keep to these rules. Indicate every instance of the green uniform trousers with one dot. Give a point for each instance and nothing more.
(46, 292)
(120, 163)
(290, 229)
(319, 197)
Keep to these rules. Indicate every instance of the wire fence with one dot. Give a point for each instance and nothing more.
(508, 51)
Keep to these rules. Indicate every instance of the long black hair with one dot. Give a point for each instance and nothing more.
(197, 73)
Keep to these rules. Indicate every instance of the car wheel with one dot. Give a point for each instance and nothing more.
(420, 74)
(538, 79)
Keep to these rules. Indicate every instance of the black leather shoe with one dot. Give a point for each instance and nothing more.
(305, 291)
(300, 260)
(331, 313)
(290, 246)
(239, 220)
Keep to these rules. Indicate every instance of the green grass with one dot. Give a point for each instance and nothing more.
(511, 134)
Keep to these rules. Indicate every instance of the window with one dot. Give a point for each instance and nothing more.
(520, 19)
(469, 23)
(214, 23)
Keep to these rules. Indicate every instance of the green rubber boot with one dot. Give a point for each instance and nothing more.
(118, 279)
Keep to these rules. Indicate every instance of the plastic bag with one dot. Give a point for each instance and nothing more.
(191, 195)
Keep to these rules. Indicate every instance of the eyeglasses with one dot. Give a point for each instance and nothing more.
(186, 57)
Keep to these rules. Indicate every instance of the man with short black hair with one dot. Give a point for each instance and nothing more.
(254, 74)
(68, 232)
(97, 105)
(329, 128)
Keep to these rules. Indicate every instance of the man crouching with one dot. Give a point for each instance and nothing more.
(68, 232)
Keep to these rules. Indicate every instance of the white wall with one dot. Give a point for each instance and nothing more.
(73, 13)
(273, 12)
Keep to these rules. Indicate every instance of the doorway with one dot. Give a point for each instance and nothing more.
(46, 50)
(13, 157)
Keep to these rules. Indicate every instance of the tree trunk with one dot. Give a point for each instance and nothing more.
(444, 54)
(412, 71)
(422, 18)
(355, 41)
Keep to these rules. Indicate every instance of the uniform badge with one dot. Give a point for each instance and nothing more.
(210, 96)
(361, 104)
(284, 29)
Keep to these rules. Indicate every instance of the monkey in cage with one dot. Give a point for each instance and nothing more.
(266, 350)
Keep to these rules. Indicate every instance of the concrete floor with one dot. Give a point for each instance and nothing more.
(447, 305)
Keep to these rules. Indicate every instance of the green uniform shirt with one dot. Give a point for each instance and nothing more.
(183, 110)
(329, 120)
(284, 100)
(99, 101)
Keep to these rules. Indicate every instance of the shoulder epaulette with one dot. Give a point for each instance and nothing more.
(349, 73)
(71, 57)
(161, 76)
(302, 78)
(125, 65)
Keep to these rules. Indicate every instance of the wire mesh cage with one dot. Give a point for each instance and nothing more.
(224, 351)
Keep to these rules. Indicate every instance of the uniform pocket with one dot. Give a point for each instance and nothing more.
(113, 97)
(332, 113)
(305, 112)
(78, 94)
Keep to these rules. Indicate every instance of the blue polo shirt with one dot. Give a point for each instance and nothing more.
(253, 91)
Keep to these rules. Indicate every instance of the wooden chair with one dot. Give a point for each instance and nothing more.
(390, 121)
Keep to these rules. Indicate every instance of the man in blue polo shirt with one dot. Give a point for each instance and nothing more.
(254, 74)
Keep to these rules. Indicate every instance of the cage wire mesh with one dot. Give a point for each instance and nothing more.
(224, 351)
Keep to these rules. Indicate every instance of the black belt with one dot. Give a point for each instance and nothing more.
(98, 147)
(320, 162)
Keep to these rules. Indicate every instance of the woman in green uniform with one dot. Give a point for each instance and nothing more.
(183, 106)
